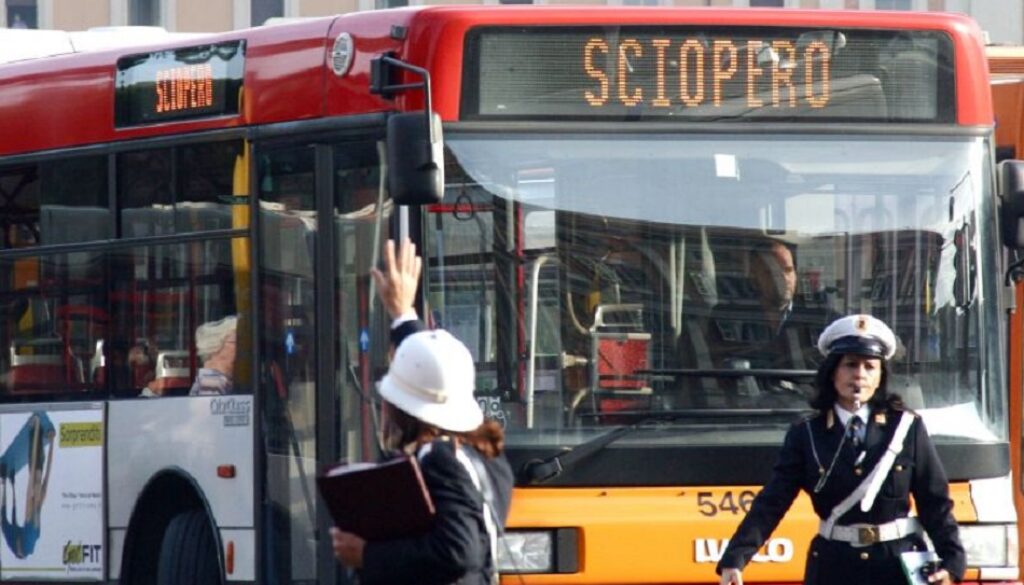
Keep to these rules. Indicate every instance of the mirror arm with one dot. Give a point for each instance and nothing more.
(1014, 272)
(379, 84)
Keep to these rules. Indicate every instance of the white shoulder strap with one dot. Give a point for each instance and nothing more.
(868, 489)
(492, 528)
(881, 471)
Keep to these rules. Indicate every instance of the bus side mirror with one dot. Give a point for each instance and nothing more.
(1011, 191)
(415, 158)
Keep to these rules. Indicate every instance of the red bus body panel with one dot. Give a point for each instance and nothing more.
(67, 101)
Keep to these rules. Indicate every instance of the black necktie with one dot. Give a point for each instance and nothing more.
(855, 431)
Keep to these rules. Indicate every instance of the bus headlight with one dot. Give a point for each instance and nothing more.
(526, 552)
(539, 551)
(990, 545)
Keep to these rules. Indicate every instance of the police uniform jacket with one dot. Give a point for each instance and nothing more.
(457, 548)
(917, 470)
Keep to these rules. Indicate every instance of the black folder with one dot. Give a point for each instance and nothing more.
(378, 501)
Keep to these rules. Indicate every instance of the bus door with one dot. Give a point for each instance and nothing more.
(324, 217)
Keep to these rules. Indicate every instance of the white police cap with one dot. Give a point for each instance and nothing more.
(858, 334)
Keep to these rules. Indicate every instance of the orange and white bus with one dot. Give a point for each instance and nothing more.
(586, 186)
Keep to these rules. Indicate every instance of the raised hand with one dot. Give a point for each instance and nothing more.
(397, 283)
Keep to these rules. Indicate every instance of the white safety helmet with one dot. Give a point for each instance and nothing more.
(432, 378)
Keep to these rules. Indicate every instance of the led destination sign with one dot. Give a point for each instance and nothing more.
(194, 82)
(698, 83)
(185, 88)
(703, 74)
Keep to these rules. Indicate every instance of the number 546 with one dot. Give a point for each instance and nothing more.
(730, 502)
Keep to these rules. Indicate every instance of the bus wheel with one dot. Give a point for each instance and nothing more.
(188, 554)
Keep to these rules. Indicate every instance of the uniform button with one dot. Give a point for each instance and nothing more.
(814, 554)
(864, 556)
(899, 468)
(857, 471)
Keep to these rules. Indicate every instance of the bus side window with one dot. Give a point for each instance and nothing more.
(174, 308)
(167, 298)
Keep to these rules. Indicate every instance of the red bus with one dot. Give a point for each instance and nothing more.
(592, 190)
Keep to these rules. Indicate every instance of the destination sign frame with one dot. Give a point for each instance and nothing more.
(195, 82)
(707, 73)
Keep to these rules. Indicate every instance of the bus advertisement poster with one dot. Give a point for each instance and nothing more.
(51, 495)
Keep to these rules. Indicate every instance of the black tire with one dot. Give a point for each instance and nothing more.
(188, 554)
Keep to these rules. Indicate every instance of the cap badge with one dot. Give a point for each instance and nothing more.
(861, 325)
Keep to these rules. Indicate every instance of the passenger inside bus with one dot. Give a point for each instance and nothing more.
(216, 346)
(158, 372)
(142, 366)
(774, 327)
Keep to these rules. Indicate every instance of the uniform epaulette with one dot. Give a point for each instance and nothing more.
(810, 416)
(828, 417)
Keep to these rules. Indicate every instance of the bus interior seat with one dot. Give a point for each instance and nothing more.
(620, 348)
(37, 366)
(173, 374)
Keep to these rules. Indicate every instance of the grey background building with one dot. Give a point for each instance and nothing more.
(1002, 19)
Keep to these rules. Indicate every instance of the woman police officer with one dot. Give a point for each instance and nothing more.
(833, 456)
(430, 410)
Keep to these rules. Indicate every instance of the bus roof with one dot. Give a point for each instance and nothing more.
(25, 44)
(68, 100)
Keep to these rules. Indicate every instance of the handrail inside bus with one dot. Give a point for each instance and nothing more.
(531, 366)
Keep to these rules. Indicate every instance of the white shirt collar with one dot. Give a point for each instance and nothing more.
(844, 415)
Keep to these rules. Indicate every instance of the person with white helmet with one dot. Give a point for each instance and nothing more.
(859, 458)
(429, 411)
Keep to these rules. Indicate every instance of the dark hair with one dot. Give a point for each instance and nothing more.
(759, 249)
(488, 438)
(825, 398)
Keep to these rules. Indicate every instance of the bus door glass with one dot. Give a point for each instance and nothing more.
(287, 243)
(361, 214)
(309, 426)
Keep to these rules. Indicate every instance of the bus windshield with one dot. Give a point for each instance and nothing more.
(608, 279)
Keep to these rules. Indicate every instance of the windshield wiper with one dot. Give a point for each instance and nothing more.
(543, 470)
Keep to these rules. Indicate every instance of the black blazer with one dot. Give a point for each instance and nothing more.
(917, 470)
(457, 548)
(407, 328)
